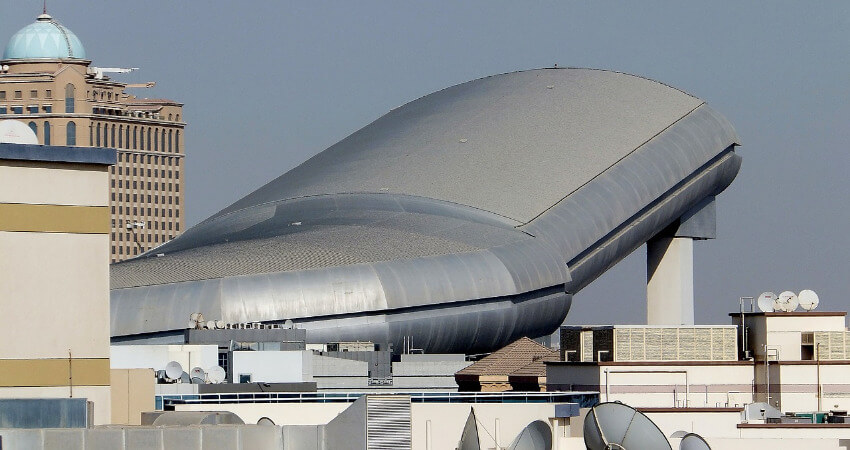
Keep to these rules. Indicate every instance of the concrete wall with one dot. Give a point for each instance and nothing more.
(224, 437)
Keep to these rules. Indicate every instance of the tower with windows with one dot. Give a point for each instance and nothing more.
(47, 82)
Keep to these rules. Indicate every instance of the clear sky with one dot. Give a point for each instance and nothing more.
(269, 84)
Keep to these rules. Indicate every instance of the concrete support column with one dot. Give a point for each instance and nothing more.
(670, 281)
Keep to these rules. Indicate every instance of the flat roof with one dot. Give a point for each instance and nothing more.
(51, 153)
(791, 314)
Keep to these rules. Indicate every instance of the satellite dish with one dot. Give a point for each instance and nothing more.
(210, 324)
(185, 378)
(787, 301)
(197, 317)
(808, 299)
(17, 132)
(173, 370)
(197, 372)
(288, 324)
(265, 421)
(693, 441)
(216, 374)
(615, 425)
(220, 324)
(536, 436)
(766, 301)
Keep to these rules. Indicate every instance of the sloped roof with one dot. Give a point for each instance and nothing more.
(518, 355)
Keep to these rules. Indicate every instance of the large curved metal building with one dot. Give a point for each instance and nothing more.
(465, 219)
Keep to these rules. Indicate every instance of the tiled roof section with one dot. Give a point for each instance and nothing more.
(537, 367)
(519, 355)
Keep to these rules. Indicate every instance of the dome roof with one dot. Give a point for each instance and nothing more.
(44, 39)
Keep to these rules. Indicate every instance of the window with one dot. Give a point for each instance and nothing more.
(142, 139)
(120, 136)
(244, 377)
(135, 129)
(46, 133)
(156, 140)
(69, 98)
(163, 140)
(169, 140)
(105, 135)
(97, 136)
(177, 141)
(2, 95)
(48, 93)
(33, 127)
(17, 109)
(18, 95)
(71, 134)
(33, 94)
(47, 108)
(149, 139)
(32, 109)
(2, 110)
(112, 142)
(127, 136)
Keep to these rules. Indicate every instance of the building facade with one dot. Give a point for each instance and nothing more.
(54, 225)
(47, 82)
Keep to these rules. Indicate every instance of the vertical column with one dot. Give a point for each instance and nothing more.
(670, 281)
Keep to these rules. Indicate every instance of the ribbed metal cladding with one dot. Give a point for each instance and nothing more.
(388, 422)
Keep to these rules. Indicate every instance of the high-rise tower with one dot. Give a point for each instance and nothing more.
(47, 81)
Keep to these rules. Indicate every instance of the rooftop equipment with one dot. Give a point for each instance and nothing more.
(617, 426)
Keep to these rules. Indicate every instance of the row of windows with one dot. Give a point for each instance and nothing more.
(19, 109)
(18, 95)
(137, 185)
(155, 173)
(136, 198)
(148, 159)
(173, 213)
(119, 136)
(139, 236)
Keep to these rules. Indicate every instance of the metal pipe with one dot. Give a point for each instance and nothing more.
(820, 389)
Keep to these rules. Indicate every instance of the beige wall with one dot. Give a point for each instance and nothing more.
(54, 282)
(132, 394)
(53, 183)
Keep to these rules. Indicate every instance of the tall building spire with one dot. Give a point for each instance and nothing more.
(44, 10)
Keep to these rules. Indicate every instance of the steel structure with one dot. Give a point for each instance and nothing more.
(465, 219)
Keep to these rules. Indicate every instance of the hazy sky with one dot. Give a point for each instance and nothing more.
(269, 84)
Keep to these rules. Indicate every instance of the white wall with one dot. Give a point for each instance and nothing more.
(157, 356)
(273, 366)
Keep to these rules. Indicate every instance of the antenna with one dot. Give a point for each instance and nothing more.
(535, 435)
(44, 10)
(787, 301)
(216, 374)
(766, 300)
(693, 441)
(173, 370)
(196, 321)
(615, 425)
(808, 299)
(219, 324)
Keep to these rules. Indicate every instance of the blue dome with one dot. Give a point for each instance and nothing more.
(44, 39)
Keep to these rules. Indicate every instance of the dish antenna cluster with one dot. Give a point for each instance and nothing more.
(197, 322)
(614, 425)
(174, 373)
(788, 301)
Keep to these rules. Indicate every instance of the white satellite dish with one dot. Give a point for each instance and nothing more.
(787, 301)
(210, 324)
(766, 300)
(808, 299)
(693, 441)
(220, 324)
(173, 370)
(288, 324)
(216, 374)
(198, 373)
(615, 425)
(17, 132)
